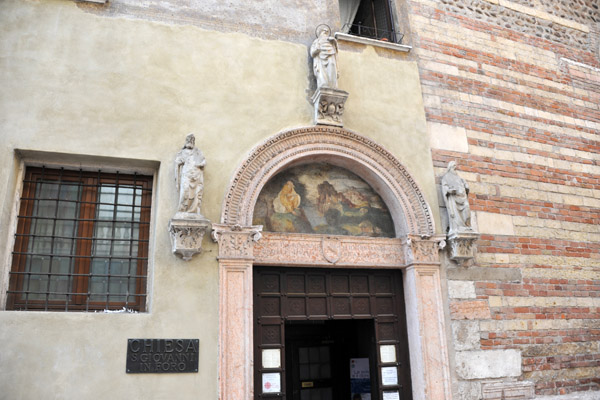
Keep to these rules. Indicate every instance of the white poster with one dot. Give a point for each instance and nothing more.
(271, 383)
(391, 396)
(388, 353)
(271, 358)
(389, 376)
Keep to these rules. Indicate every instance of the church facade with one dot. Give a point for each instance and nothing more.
(361, 199)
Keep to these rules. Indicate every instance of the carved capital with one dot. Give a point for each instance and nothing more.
(235, 241)
(462, 247)
(187, 234)
(423, 249)
(329, 106)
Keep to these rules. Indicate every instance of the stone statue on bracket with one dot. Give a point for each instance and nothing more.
(328, 100)
(461, 235)
(455, 191)
(324, 53)
(189, 177)
(188, 226)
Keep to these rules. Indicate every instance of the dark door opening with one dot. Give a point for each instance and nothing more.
(313, 319)
(319, 354)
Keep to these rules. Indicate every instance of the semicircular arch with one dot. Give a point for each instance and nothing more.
(336, 146)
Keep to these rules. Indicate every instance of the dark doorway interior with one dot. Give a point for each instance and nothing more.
(318, 357)
(336, 315)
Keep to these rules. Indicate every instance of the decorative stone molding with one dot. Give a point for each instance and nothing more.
(340, 147)
(462, 247)
(327, 251)
(424, 249)
(329, 106)
(508, 391)
(187, 234)
(235, 241)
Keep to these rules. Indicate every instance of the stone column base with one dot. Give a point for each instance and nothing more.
(329, 106)
(186, 234)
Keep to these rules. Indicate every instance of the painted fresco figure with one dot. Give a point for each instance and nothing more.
(189, 176)
(287, 201)
(455, 191)
(324, 53)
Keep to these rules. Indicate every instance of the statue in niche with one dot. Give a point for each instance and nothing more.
(324, 53)
(189, 177)
(455, 191)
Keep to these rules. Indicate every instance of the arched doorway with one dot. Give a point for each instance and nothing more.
(414, 249)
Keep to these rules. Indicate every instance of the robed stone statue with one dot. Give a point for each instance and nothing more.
(189, 177)
(324, 53)
(455, 191)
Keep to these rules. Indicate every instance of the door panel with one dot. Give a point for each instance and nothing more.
(313, 308)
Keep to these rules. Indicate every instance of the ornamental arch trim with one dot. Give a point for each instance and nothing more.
(336, 146)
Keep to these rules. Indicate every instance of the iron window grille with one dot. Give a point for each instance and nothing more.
(81, 242)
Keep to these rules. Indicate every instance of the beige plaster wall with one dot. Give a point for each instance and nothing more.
(77, 83)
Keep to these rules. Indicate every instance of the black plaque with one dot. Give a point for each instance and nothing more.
(159, 356)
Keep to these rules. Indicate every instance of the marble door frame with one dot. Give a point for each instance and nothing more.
(415, 250)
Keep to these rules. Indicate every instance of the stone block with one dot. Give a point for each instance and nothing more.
(484, 274)
(476, 309)
(448, 137)
(466, 335)
(461, 290)
(495, 224)
(468, 390)
(508, 391)
(487, 364)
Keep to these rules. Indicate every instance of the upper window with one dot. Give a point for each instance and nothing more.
(81, 241)
(369, 18)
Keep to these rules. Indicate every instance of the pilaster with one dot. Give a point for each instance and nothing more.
(425, 319)
(236, 245)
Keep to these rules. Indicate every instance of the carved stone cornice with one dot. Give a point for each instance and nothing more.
(337, 146)
(424, 249)
(236, 242)
(325, 250)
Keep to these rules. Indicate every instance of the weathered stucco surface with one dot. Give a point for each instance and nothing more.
(75, 82)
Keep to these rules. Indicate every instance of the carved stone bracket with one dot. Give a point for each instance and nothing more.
(462, 247)
(329, 106)
(423, 249)
(235, 241)
(187, 234)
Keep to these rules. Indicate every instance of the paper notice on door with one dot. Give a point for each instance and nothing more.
(389, 376)
(271, 383)
(388, 353)
(271, 358)
(391, 396)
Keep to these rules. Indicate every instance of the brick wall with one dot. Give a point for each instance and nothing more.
(512, 93)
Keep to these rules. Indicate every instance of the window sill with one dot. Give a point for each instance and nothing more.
(377, 43)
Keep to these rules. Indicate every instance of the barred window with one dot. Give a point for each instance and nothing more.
(369, 18)
(81, 242)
